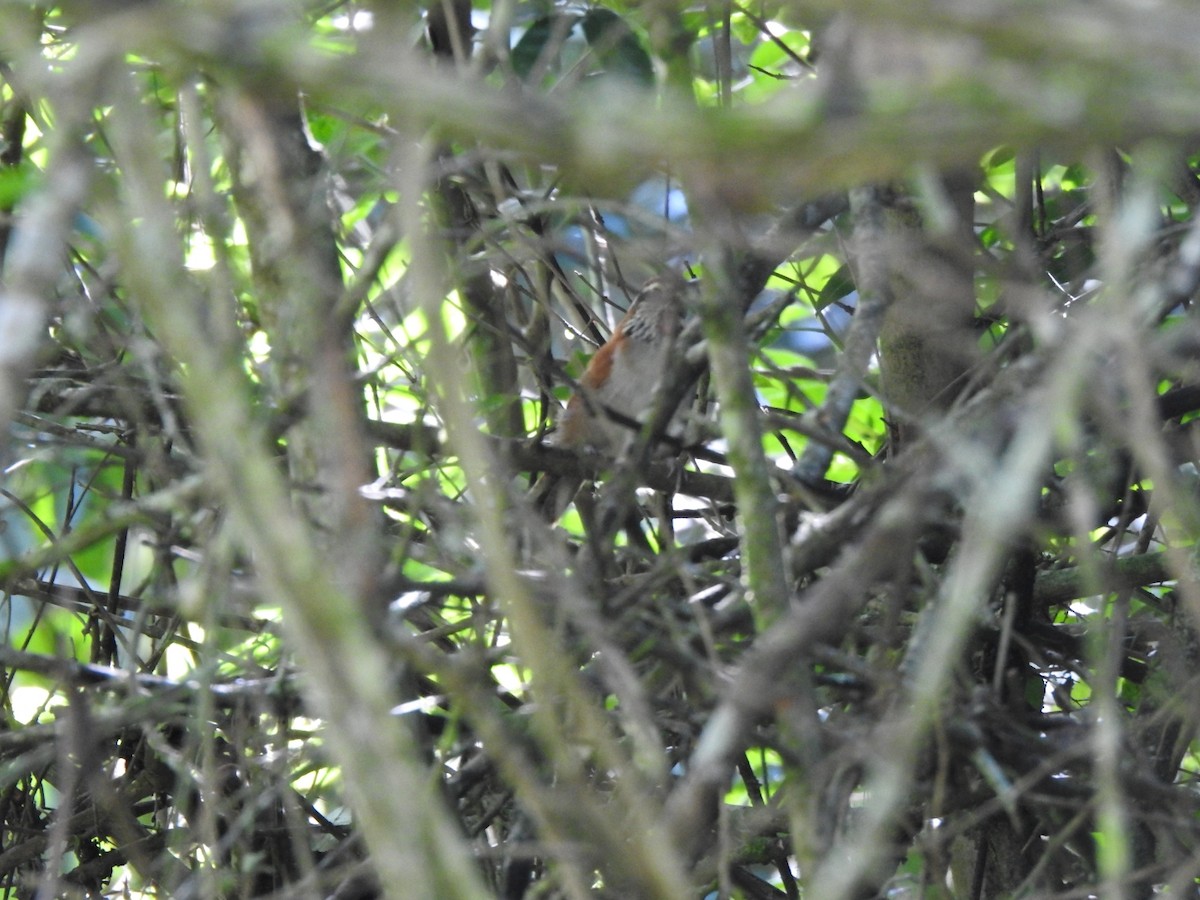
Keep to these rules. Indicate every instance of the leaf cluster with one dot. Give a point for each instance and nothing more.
(904, 601)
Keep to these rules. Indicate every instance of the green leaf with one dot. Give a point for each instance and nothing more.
(839, 286)
(616, 46)
(15, 182)
(532, 44)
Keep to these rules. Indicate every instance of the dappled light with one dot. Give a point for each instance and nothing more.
(662, 450)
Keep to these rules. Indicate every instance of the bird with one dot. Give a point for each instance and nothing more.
(620, 378)
(619, 385)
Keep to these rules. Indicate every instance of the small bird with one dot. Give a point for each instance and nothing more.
(619, 386)
(622, 376)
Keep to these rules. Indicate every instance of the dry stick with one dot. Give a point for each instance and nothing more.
(92, 821)
(1156, 73)
(402, 816)
(890, 516)
(33, 261)
(69, 671)
(741, 422)
(874, 298)
(563, 712)
(793, 227)
(1064, 585)
(993, 465)
(827, 611)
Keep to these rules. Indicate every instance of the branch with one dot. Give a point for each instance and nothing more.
(222, 695)
(874, 298)
(1060, 586)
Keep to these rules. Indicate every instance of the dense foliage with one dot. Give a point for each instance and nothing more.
(292, 296)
